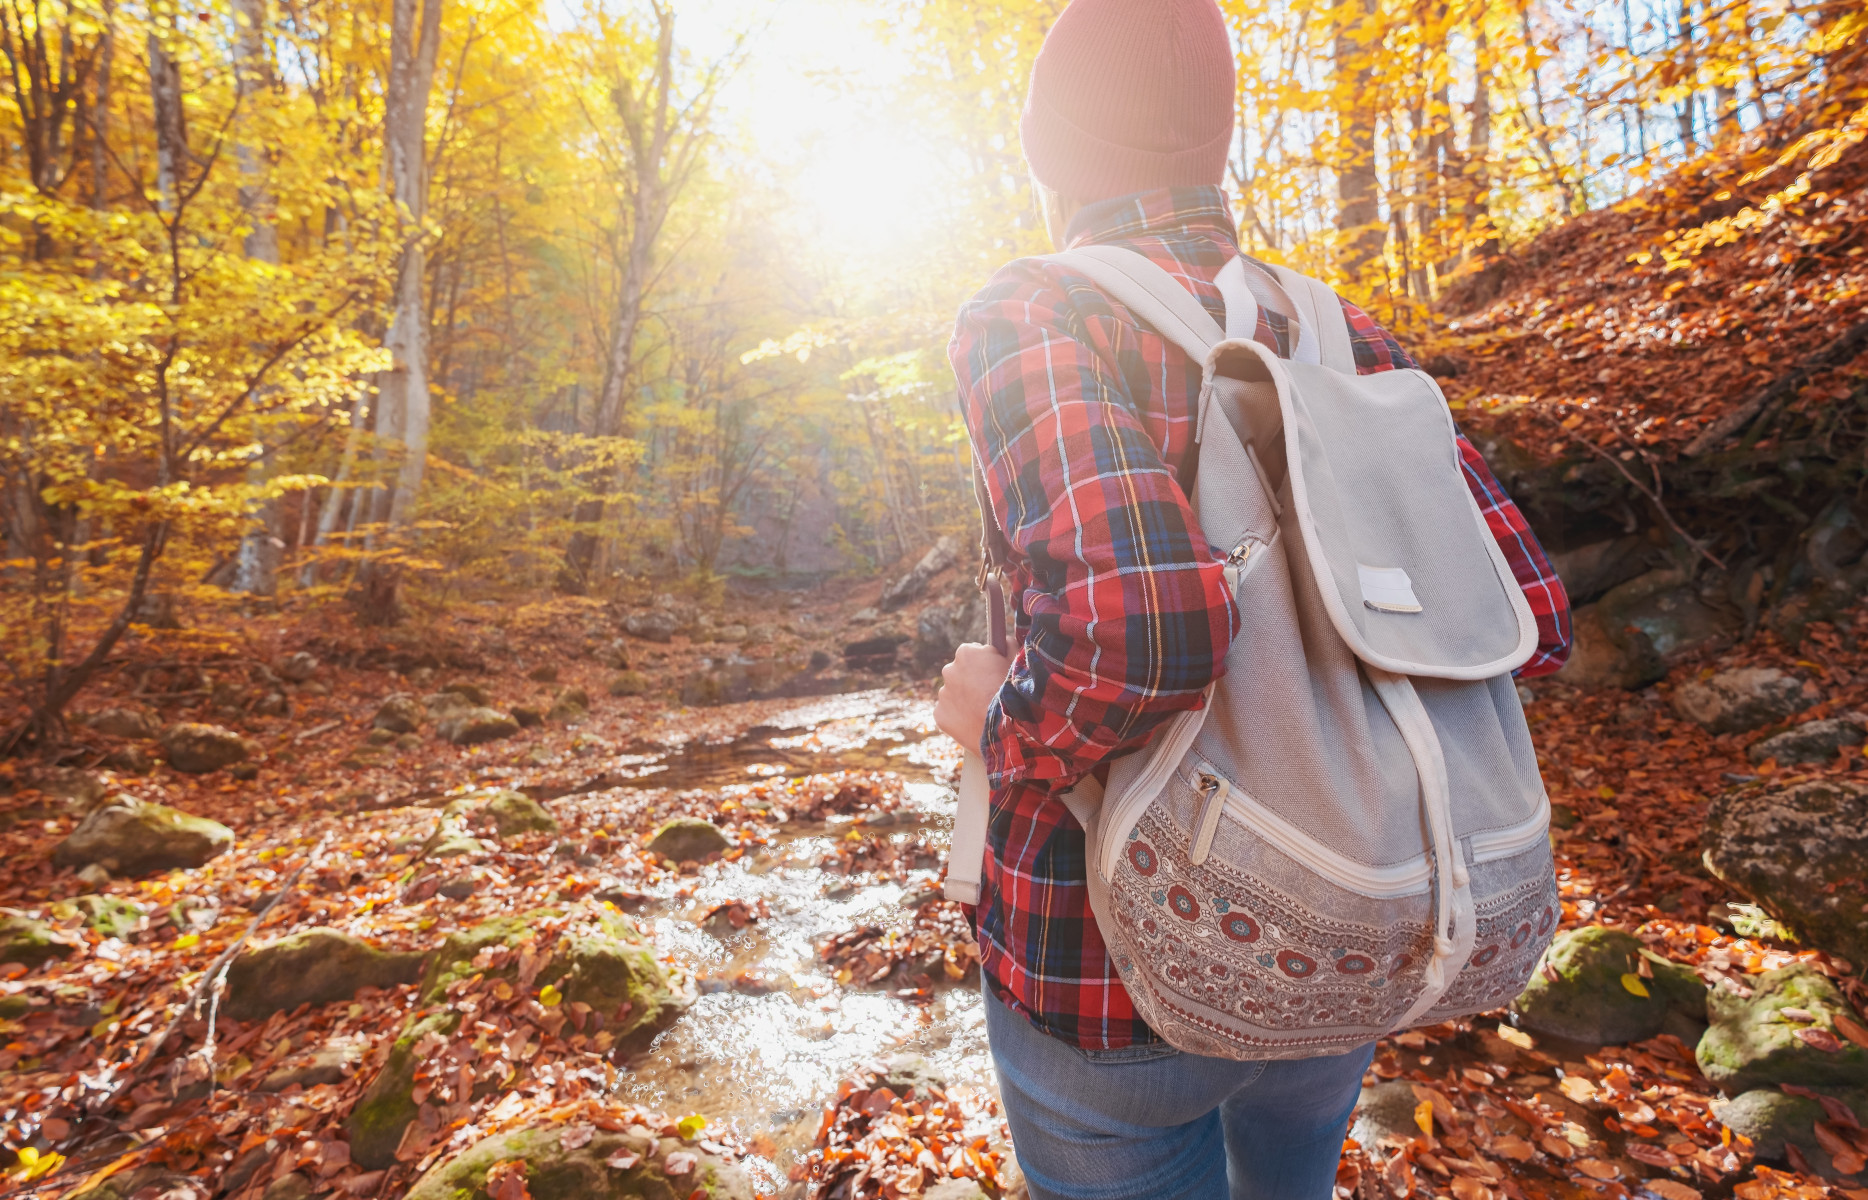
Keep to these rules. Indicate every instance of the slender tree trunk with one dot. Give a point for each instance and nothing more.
(402, 400)
(100, 111)
(165, 92)
(1479, 148)
(1360, 231)
(1690, 72)
(256, 563)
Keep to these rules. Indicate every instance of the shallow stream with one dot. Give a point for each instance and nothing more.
(772, 1032)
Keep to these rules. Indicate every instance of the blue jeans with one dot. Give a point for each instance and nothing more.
(1153, 1123)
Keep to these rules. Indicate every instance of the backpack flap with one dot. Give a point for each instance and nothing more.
(1410, 574)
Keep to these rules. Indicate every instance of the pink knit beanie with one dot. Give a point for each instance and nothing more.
(1130, 95)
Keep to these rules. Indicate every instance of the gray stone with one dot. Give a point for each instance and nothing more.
(272, 704)
(1588, 571)
(315, 966)
(400, 713)
(1676, 614)
(688, 838)
(1588, 1001)
(512, 813)
(572, 704)
(126, 723)
(472, 692)
(1752, 1043)
(941, 628)
(30, 941)
(332, 1062)
(473, 726)
(658, 625)
(912, 1072)
(198, 749)
(954, 1189)
(290, 1186)
(1740, 699)
(128, 837)
(297, 667)
(1606, 655)
(630, 683)
(1772, 1120)
(1385, 1111)
(1798, 852)
(1810, 742)
(441, 705)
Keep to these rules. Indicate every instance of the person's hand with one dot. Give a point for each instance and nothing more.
(968, 684)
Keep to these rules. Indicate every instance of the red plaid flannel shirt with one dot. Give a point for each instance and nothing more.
(1082, 420)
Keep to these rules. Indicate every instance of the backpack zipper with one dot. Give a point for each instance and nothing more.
(1491, 844)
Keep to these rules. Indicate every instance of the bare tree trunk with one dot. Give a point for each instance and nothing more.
(402, 402)
(256, 563)
(165, 92)
(662, 140)
(100, 111)
(1360, 231)
(1690, 73)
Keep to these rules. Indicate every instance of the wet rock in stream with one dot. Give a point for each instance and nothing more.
(576, 1161)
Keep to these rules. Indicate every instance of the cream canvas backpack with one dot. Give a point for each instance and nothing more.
(1351, 836)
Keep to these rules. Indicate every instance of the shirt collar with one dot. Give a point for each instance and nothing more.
(1181, 210)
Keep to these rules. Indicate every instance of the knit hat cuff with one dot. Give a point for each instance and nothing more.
(1083, 166)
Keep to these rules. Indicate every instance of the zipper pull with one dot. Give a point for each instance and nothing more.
(1215, 787)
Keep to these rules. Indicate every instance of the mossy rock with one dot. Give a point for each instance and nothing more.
(128, 837)
(1751, 1044)
(475, 726)
(555, 1173)
(106, 916)
(1589, 1003)
(316, 966)
(688, 838)
(598, 959)
(631, 683)
(513, 813)
(32, 942)
(571, 704)
(1773, 1120)
(384, 1110)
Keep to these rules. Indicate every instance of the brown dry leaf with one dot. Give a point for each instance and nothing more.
(1597, 1168)
(679, 1163)
(506, 1181)
(1556, 1147)
(1513, 1148)
(1577, 1088)
(1467, 1188)
(1820, 1039)
(1398, 1175)
(1852, 1030)
(1669, 1189)
(576, 1135)
(1653, 1156)
(622, 1160)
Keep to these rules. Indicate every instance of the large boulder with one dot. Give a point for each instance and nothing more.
(1675, 613)
(126, 723)
(1798, 852)
(1773, 1121)
(1604, 654)
(875, 653)
(129, 837)
(1741, 699)
(1590, 570)
(588, 1170)
(30, 941)
(1810, 742)
(1784, 1032)
(569, 705)
(1591, 1000)
(198, 749)
(688, 838)
(316, 966)
(400, 713)
(473, 726)
(597, 958)
(941, 628)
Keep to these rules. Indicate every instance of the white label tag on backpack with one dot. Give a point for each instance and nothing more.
(1387, 589)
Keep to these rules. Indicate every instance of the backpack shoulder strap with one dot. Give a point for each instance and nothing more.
(1319, 308)
(1151, 292)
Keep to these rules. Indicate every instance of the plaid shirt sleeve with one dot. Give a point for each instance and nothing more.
(1126, 611)
(1376, 350)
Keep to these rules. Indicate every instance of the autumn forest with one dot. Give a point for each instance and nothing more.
(485, 506)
